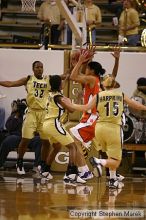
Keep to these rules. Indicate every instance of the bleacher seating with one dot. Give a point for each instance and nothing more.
(24, 27)
(17, 26)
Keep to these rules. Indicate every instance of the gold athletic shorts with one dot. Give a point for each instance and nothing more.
(55, 131)
(108, 138)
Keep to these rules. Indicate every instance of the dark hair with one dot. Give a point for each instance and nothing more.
(33, 64)
(20, 106)
(141, 81)
(97, 67)
(55, 83)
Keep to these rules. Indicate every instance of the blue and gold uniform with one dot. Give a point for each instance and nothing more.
(52, 126)
(37, 98)
(108, 127)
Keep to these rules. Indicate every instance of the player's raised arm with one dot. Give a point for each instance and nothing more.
(84, 57)
(116, 55)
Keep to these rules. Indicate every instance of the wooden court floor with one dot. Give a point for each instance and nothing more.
(32, 198)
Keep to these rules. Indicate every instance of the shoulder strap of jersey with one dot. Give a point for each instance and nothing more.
(57, 98)
(29, 77)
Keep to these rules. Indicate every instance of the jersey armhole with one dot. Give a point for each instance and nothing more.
(97, 100)
(57, 99)
(28, 77)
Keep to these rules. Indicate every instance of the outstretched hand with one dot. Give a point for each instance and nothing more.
(90, 48)
(66, 100)
(86, 54)
(116, 53)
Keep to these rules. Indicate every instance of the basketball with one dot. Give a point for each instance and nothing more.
(75, 55)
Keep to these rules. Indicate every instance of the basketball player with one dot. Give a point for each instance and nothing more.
(108, 127)
(37, 87)
(53, 129)
(84, 131)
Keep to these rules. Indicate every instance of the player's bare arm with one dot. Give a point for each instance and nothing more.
(81, 108)
(134, 104)
(65, 104)
(116, 55)
(17, 83)
(65, 77)
(75, 74)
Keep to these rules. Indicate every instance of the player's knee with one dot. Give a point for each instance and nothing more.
(115, 163)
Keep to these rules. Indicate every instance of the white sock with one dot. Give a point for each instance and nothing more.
(86, 167)
(112, 174)
(103, 162)
(83, 169)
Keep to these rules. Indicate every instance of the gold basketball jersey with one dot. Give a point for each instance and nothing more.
(110, 106)
(54, 110)
(37, 92)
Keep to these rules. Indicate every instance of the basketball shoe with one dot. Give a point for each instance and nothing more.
(86, 175)
(20, 167)
(119, 177)
(73, 180)
(45, 172)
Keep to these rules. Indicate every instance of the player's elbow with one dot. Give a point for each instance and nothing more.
(70, 110)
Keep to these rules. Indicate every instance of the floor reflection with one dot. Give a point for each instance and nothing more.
(34, 198)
